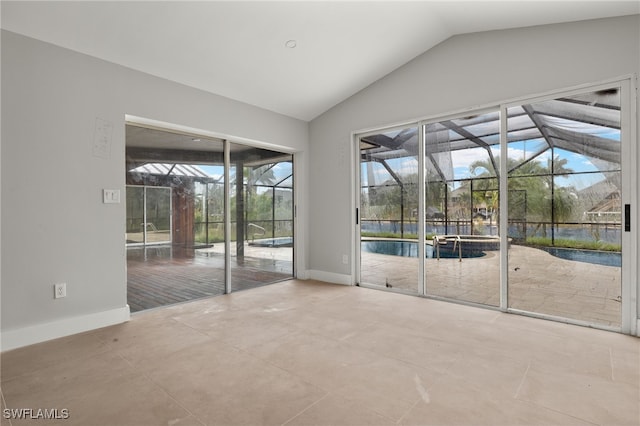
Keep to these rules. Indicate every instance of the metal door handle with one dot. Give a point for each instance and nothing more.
(627, 218)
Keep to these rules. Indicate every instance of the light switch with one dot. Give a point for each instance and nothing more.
(110, 196)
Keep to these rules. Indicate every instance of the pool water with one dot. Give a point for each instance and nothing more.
(273, 242)
(606, 258)
(410, 249)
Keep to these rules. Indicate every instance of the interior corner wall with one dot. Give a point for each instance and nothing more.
(57, 157)
(462, 72)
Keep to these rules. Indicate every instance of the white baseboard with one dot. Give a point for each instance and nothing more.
(329, 277)
(302, 275)
(12, 339)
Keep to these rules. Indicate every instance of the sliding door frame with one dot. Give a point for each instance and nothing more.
(356, 253)
(629, 287)
(630, 323)
(422, 231)
(298, 236)
(145, 241)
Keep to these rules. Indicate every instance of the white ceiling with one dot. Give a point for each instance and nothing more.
(237, 48)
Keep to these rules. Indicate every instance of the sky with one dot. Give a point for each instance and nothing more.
(577, 132)
(459, 162)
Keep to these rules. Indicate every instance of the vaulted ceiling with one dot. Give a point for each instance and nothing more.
(297, 58)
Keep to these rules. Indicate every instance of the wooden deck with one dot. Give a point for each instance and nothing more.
(164, 275)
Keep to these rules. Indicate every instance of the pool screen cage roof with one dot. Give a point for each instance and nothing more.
(275, 174)
(586, 124)
(265, 168)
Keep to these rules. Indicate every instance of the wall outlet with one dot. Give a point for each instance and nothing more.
(345, 259)
(59, 290)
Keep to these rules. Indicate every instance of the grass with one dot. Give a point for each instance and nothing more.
(574, 244)
(217, 236)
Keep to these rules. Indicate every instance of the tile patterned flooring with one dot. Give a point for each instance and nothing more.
(538, 282)
(310, 353)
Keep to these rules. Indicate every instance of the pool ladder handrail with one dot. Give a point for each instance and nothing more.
(445, 238)
(260, 228)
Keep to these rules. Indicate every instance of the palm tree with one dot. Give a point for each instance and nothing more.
(546, 201)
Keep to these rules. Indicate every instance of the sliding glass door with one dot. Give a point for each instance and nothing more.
(389, 188)
(135, 233)
(200, 224)
(462, 208)
(565, 210)
(525, 207)
(148, 215)
(261, 206)
(158, 215)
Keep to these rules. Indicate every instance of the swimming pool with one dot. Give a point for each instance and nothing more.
(607, 258)
(273, 242)
(410, 249)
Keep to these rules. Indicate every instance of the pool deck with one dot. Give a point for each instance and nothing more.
(164, 275)
(538, 282)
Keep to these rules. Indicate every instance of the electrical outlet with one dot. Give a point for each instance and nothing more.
(59, 290)
(345, 259)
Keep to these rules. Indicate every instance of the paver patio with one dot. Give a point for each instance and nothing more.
(538, 282)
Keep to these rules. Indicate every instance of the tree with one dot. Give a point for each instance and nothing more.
(546, 201)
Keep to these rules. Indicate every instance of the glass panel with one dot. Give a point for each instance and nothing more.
(261, 216)
(135, 215)
(389, 210)
(158, 218)
(209, 213)
(184, 255)
(565, 208)
(461, 193)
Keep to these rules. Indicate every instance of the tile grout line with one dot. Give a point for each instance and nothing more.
(408, 411)
(282, 370)
(4, 402)
(326, 395)
(563, 413)
(161, 388)
(108, 347)
(295, 374)
(201, 332)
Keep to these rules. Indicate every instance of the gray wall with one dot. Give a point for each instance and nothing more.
(55, 227)
(460, 73)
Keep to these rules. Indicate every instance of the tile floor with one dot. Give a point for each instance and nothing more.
(309, 353)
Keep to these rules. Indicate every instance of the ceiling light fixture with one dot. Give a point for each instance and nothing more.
(291, 44)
